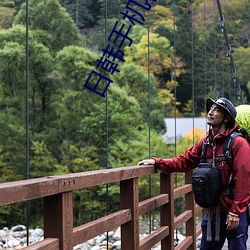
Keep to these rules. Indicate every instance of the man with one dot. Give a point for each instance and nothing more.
(221, 115)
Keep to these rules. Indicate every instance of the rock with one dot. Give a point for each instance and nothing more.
(38, 232)
(23, 240)
(111, 233)
(100, 238)
(103, 243)
(18, 247)
(3, 233)
(16, 238)
(95, 248)
(13, 243)
(18, 234)
(117, 245)
(111, 239)
(117, 234)
(18, 228)
(81, 246)
(91, 242)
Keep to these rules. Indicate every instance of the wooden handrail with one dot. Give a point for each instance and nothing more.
(56, 191)
(24, 190)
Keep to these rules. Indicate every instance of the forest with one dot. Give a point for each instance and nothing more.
(178, 58)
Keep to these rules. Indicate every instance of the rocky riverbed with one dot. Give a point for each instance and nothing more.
(16, 238)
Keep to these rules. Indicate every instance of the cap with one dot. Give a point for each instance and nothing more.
(223, 103)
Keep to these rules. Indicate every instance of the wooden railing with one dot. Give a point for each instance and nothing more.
(59, 232)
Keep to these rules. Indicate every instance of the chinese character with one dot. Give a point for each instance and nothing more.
(120, 34)
(100, 77)
(115, 56)
(145, 8)
(108, 65)
(131, 18)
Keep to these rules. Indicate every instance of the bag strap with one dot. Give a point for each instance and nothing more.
(203, 152)
(227, 148)
(227, 151)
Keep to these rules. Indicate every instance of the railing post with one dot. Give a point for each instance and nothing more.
(190, 205)
(58, 219)
(129, 198)
(167, 210)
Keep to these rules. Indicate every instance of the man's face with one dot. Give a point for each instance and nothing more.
(215, 116)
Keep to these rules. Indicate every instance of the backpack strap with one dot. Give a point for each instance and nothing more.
(203, 152)
(227, 151)
(227, 148)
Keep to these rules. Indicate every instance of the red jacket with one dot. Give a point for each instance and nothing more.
(241, 167)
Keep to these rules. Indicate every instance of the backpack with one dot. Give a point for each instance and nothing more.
(206, 179)
(206, 185)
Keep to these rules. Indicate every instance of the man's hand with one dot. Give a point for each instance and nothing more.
(146, 162)
(232, 221)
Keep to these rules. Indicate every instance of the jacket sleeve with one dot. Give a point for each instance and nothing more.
(183, 163)
(241, 175)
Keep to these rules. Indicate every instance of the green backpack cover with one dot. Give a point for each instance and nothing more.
(243, 119)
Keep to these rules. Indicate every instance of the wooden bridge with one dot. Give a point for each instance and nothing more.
(56, 192)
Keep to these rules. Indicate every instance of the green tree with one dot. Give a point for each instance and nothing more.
(53, 25)
(161, 60)
(12, 125)
(42, 163)
(13, 60)
(242, 64)
(135, 82)
(6, 17)
(84, 13)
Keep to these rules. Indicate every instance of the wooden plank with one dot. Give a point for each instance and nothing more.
(24, 190)
(46, 244)
(190, 205)
(198, 209)
(90, 230)
(154, 238)
(167, 210)
(129, 196)
(182, 218)
(152, 203)
(99, 177)
(185, 244)
(58, 219)
(178, 192)
(198, 231)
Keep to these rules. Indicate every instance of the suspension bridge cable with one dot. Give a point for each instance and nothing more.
(77, 13)
(174, 71)
(149, 120)
(222, 68)
(107, 113)
(215, 52)
(174, 80)
(192, 73)
(229, 83)
(175, 95)
(229, 52)
(27, 207)
(205, 50)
